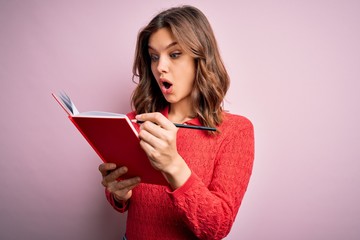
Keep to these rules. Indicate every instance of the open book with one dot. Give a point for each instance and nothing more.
(114, 139)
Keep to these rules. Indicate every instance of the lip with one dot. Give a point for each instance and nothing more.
(165, 90)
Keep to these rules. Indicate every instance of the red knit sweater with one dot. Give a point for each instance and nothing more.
(205, 207)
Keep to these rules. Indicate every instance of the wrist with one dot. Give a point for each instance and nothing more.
(177, 174)
(118, 202)
(119, 205)
(115, 198)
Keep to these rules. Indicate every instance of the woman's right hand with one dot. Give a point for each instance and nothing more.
(121, 190)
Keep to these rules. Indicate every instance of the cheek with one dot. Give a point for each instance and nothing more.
(154, 70)
(188, 68)
(190, 72)
(189, 79)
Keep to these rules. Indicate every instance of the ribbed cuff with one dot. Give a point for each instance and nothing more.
(184, 188)
(118, 206)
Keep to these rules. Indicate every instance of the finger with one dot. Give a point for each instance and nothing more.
(104, 168)
(152, 137)
(123, 186)
(148, 149)
(156, 118)
(128, 184)
(111, 177)
(122, 197)
(125, 193)
(154, 133)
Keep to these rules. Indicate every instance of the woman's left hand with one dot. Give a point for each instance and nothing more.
(158, 139)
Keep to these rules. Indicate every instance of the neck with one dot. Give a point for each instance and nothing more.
(180, 112)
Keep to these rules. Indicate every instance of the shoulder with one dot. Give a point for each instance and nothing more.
(234, 122)
(236, 130)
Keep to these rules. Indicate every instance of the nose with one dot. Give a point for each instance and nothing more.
(163, 65)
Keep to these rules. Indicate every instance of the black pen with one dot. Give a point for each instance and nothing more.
(183, 126)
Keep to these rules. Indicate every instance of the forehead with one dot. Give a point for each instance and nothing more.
(161, 39)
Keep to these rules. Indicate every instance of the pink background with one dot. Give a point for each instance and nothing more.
(295, 70)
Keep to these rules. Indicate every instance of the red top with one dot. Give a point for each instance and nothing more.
(205, 207)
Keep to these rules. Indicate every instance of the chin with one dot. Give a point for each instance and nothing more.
(170, 99)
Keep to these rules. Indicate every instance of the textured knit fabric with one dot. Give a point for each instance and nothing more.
(205, 207)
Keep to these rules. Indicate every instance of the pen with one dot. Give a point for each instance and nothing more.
(183, 126)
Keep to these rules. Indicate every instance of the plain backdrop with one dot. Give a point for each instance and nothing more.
(295, 72)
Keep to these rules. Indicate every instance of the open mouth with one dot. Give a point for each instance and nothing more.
(167, 85)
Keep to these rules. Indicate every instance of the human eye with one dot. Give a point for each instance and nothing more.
(175, 55)
(154, 57)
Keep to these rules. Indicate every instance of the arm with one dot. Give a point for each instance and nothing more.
(210, 211)
(119, 205)
(118, 192)
(158, 139)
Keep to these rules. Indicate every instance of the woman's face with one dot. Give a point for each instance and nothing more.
(172, 67)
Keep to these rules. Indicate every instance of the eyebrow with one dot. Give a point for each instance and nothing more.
(167, 47)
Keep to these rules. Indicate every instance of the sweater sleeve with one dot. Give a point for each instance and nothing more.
(118, 206)
(209, 211)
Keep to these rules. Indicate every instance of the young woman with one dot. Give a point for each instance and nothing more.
(182, 79)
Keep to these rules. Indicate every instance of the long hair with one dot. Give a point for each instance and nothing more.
(194, 34)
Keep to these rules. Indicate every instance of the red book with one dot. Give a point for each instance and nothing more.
(114, 139)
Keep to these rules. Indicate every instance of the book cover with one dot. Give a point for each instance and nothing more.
(114, 139)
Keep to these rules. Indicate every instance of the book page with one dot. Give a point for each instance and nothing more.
(101, 114)
(68, 103)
